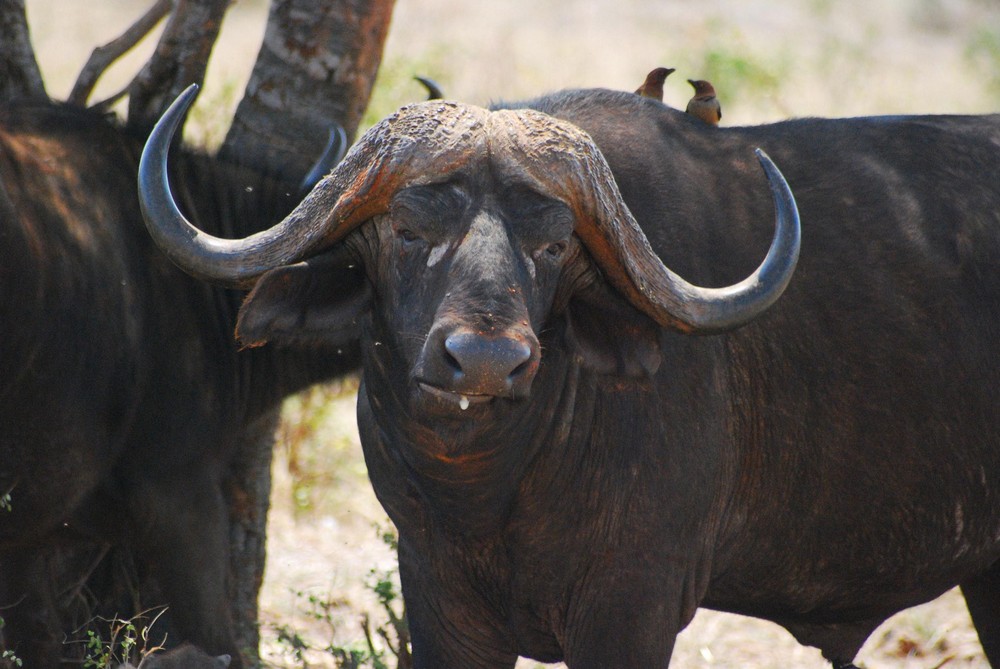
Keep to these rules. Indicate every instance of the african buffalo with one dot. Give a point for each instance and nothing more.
(572, 473)
(124, 396)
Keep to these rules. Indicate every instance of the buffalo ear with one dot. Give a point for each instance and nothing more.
(611, 336)
(318, 301)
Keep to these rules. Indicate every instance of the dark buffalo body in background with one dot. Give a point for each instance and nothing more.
(571, 479)
(122, 392)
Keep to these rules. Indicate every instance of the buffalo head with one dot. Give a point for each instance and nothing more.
(461, 231)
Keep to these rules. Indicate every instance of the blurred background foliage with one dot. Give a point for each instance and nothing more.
(768, 59)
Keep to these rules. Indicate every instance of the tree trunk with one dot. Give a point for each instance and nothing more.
(315, 70)
(20, 78)
(249, 496)
(180, 59)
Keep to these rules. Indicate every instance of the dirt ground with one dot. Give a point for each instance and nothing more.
(769, 59)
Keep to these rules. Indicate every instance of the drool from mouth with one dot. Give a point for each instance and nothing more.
(463, 401)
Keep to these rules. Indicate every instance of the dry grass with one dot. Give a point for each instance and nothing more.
(769, 59)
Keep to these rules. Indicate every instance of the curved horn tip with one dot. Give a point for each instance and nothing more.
(765, 161)
(773, 174)
(341, 139)
(166, 224)
(780, 189)
(761, 289)
(788, 228)
(181, 103)
(158, 143)
(154, 190)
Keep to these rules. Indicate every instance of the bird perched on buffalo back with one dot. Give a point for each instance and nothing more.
(653, 86)
(704, 104)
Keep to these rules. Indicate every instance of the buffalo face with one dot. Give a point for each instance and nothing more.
(465, 272)
(471, 270)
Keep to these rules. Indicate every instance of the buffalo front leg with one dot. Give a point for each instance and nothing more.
(982, 596)
(621, 621)
(448, 630)
(183, 537)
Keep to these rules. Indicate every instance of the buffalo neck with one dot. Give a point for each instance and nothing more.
(466, 469)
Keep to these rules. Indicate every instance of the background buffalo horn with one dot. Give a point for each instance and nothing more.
(333, 153)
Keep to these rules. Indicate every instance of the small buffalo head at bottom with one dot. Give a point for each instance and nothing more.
(184, 656)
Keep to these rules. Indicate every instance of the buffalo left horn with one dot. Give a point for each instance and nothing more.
(625, 255)
(563, 160)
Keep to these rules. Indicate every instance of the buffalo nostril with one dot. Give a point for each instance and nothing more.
(451, 360)
(520, 359)
(488, 362)
(523, 367)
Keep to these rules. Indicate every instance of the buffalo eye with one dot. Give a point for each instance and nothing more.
(553, 251)
(407, 235)
(556, 250)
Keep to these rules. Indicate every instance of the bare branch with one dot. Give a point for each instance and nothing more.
(20, 78)
(106, 104)
(180, 59)
(103, 56)
(314, 72)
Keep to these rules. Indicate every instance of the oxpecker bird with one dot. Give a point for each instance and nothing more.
(704, 104)
(653, 86)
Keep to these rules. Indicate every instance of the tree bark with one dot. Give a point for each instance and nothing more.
(249, 496)
(20, 78)
(180, 59)
(315, 70)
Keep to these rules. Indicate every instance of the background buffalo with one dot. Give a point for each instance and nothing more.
(135, 435)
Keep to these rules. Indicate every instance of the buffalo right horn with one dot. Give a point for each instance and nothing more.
(418, 143)
(232, 262)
